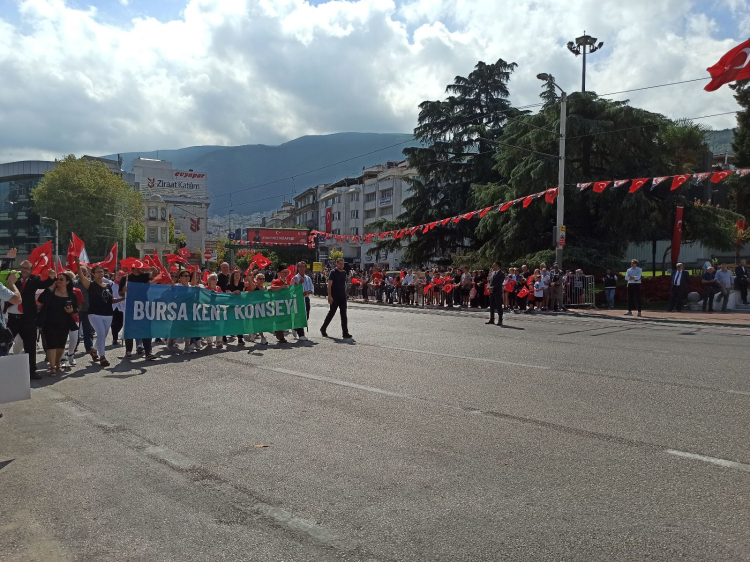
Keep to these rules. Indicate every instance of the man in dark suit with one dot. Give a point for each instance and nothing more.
(495, 285)
(24, 322)
(740, 273)
(679, 283)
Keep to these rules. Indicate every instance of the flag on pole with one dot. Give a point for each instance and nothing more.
(677, 235)
(734, 65)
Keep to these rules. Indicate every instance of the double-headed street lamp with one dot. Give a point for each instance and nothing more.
(560, 238)
(580, 47)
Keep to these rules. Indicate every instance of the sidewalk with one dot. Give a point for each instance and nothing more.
(729, 318)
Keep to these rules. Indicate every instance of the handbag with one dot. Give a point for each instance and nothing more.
(473, 293)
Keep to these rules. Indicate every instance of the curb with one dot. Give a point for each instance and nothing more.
(661, 320)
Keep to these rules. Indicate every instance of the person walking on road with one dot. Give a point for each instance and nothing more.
(495, 287)
(724, 279)
(679, 285)
(633, 276)
(23, 323)
(307, 289)
(337, 299)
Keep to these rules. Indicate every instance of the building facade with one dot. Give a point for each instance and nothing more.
(20, 227)
(343, 200)
(184, 191)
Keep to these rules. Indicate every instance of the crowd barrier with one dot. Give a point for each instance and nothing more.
(580, 292)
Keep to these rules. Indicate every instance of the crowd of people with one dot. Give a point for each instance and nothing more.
(67, 311)
(523, 290)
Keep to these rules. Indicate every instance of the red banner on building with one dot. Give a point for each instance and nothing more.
(329, 219)
(280, 236)
(677, 236)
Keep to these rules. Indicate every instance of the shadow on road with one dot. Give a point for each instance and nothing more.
(3, 464)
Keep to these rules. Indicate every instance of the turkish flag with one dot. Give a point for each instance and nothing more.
(677, 181)
(718, 176)
(173, 258)
(184, 252)
(445, 221)
(505, 206)
(291, 271)
(657, 180)
(620, 183)
(157, 262)
(261, 261)
(41, 259)
(677, 235)
(110, 263)
(428, 288)
(550, 195)
(59, 268)
(583, 186)
(601, 186)
(522, 293)
(510, 285)
(329, 219)
(356, 281)
(470, 215)
(129, 263)
(734, 65)
(76, 249)
(448, 287)
(637, 184)
(527, 201)
(485, 211)
(205, 277)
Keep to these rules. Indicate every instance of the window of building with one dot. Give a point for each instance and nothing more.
(354, 197)
(370, 197)
(355, 214)
(355, 230)
(386, 193)
(384, 211)
(337, 216)
(370, 214)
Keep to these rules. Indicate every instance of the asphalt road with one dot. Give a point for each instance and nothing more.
(433, 437)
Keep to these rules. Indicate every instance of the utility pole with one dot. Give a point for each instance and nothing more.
(560, 170)
(580, 48)
(57, 233)
(124, 239)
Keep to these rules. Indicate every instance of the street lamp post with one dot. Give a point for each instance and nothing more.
(561, 167)
(124, 234)
(580, 48)
(57, 233)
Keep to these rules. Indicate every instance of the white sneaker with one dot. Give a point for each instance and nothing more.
(302, 338)
(251, 338)
(71, 360)
(294, 333)
(64, 362)
(263, 340)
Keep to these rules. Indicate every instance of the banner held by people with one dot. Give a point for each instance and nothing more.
(161, 311)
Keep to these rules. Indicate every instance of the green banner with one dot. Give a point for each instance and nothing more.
(164, 311)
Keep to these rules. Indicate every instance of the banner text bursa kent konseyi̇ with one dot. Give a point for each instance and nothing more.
(164, 311)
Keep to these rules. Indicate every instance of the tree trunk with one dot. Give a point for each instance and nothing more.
(664, 259)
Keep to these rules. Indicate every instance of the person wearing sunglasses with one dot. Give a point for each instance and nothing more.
(60, 304)
(100, 311)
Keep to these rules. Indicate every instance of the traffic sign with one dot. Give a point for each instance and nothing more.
(207, 254)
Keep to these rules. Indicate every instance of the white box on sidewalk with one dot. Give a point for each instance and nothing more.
(14, 378)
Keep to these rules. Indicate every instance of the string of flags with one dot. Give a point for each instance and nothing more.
(549, 196)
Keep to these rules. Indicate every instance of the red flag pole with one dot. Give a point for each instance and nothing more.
(677, 237)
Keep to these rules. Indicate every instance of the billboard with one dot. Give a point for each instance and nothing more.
(157, 176)
(277, 237)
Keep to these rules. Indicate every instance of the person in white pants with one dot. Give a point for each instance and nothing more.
(100, 310)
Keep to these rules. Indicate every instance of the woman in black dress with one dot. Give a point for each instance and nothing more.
(235, 286)
(60, 305)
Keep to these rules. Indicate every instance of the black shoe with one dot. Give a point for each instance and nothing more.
(241, 340)
(490, 322)
(36, 376)
(347, 336)
(500, 324)
(323, 332)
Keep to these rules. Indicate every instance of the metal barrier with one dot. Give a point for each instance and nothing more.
(579, 292)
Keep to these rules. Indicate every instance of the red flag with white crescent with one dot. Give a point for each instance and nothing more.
(551, 194)
(656, 181)
(620, 183)
(583, 186)
(110, 263)
(637, 184)
(41, 259)
(677, 236)
(718, 176)
(527, 201)
(734, 65)
(703, 176)
(677, 181)
(601, 186)
(505, 206)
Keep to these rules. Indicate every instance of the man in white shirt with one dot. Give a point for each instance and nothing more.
(633, 276)
(724, 279)
(307, 289)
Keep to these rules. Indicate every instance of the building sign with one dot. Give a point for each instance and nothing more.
(211, 245)
(156, 176)
(385, 201)
(281, 236)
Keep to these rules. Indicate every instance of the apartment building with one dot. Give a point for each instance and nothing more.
(344, 199)
(306, 208)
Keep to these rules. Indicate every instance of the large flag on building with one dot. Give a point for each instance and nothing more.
(734, 65)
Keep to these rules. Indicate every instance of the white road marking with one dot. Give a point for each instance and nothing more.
(484, 360)
(713, 460)
(337, 382)
(742, 392)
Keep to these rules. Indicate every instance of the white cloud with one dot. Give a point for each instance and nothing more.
(247, 71)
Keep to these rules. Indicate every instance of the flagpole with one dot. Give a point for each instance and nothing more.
(57, 233)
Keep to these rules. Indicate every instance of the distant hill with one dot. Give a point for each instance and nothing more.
(234, 168)
(720, 141)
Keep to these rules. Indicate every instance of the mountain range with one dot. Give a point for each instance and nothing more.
(260, 177)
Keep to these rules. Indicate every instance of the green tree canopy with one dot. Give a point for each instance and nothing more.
(458, 135)
(82, 194)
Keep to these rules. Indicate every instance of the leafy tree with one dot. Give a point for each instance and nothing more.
(136, 233)
(739, 187)
(605, 140)
(458, 135)
(336, 254)
(83, 195)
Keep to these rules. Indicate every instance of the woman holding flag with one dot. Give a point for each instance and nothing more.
(100, 310)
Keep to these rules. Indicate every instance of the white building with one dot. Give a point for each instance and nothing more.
(384, 194)
(185, 192)
(344, 199)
